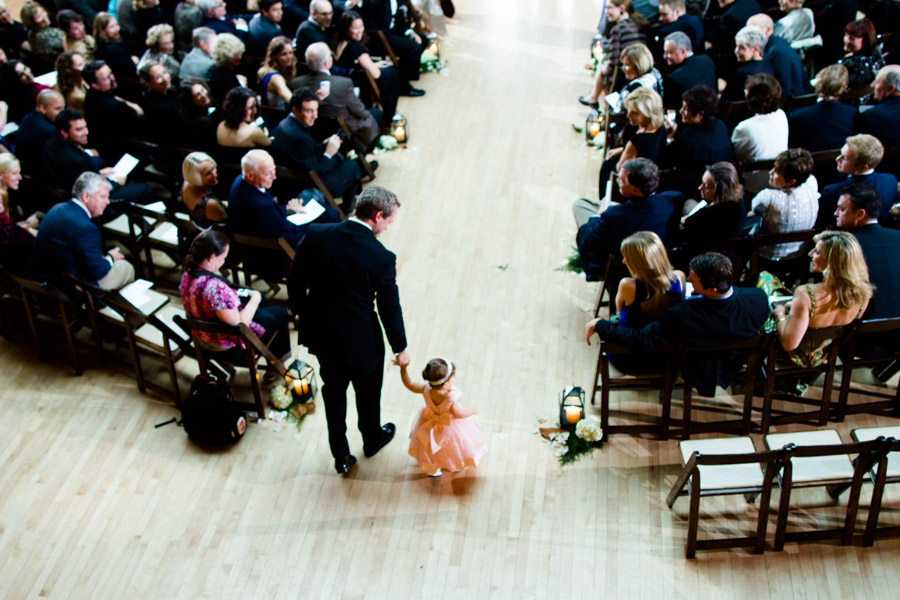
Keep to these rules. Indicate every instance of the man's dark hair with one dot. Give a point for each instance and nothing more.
(763, 93)
(66, 17)
(268, 4)
(714, 271)
(642, 174)
(375, 199)
(65, 117)
(89, 73)
(702, 99)
(302, 95)
(863, 197)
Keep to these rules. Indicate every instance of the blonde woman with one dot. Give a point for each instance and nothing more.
(160, 49)
(654, 285)
(200, 176)
(276, 72)
(15, 238)
(645, 111)
(637, 66)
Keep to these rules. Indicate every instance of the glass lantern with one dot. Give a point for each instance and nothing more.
(400, 129)
(301, 380)
(593, 125)
(571, 406)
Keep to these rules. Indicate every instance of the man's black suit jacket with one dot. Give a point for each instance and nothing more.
(881, 121)
(878, 244)
(34, 131)
(64, 161)
(341, 102)
(294, 145)
(68, 242)
(695, 70)
(108, 120)
(699, 321)
(307, 34)
(340, 273)
(822, 126)
(787, 66)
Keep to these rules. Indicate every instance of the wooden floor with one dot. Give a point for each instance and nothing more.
(97, 503)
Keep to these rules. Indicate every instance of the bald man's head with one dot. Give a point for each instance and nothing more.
(764, 22)
(50, 103)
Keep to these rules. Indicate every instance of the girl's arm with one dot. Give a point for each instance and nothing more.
(625, 295)
(366, 62)
(461, 413)
(416, 388)
(792, 328)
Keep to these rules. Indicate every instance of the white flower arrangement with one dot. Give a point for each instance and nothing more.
(567, 447)
(281, 397)
(589, 429)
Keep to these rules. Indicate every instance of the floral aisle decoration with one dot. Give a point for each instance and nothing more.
(430, 61)
(570, 446)
(290, 407)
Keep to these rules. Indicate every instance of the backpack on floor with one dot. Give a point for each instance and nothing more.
(209, 413)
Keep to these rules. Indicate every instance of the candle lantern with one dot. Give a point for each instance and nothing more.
(571, 406)
(400, 129)
(597, 47)
(434, 48)
(593, 125)
(301, 380)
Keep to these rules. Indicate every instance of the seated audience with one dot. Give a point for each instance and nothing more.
(208, 296)
(797, 23)
(77, 39)
(186, 20)
(750, 42)
(200, 176)
(110, 116)
(277, 70)
(160, 49)
(12, 33)
(720, 41)
(407, 45)
(765, 134)
(110, 49)
(69, 82)
(654, 286)
(601, 233)
(264, 26)
(784, 60)
(826, 124)
(351, 54)
(858, 158)
(36, 128)
(723, 216)
(316, 28)
(673, 17)
(296, 147)
(645, 113)
(686, 69)
(199, 62)
(163, 122)
(701, 139)
(16, 239)
(340, 101)
(717, 315)
(20, 91)
(147, 14)
(34, 19)
(215, 18)
(227, 53)
(881, 120)
(68, 242)
(637, 66)
(862, 58)
(238, 128)
(200, 117)
(792, 204)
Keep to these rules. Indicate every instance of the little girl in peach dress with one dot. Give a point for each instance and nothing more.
(445, 435)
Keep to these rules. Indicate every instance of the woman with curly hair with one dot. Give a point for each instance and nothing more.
(198, 112)
(237, 129)
(276, 73)
(160, 49)
(68, 79)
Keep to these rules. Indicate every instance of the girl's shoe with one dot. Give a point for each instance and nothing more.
(435, 474)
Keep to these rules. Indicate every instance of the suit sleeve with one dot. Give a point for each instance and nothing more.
(649, 337)
(89, 259)
(592, 239)
(276, 224)
(355, 106)
(387, 296)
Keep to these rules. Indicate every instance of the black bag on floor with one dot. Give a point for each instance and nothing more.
(209, 414)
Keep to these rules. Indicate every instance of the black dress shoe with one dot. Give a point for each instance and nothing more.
(387, 434)
(374, 165)
(586, 102)
(414, 92)
(342, 465)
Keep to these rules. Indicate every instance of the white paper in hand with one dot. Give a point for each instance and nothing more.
(125, 166)
(310, 213)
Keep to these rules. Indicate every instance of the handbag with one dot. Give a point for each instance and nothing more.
(210, 415)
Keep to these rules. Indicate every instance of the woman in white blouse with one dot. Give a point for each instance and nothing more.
(765, 134)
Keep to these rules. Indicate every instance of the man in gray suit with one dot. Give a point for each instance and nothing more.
(340, 100)
(198, 62)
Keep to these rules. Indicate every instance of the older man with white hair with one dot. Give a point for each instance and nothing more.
(199, 62)
(784, 60)
(339, 101)
(882, 119)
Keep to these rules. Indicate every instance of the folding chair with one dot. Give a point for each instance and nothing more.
(725, 466)
(886, 470)
(869, 331)
(267, 258)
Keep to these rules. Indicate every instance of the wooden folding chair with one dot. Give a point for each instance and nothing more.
(356, 145)
(254, 348)
(834, 337)
(275, 253)
(889, 403)
(819, 459)
(886, 469)
(607, 379)
(614, 272)
(387, 46)
(724, 466)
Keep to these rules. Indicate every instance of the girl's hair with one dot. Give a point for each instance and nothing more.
(235, 107)
(647, 260)
(865, 29)
(639, 19)
(271, 62)
(796, 164)
(207, 243)
(66, 76)
(728, 184)
(846, 274)
(8, 162)
(436, 369)
(640, 58)
(190, 168)
(648, 103)
(101, 21)
(155, 33)
(342, 31)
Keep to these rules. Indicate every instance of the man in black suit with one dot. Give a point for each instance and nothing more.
(341, 271)
(109, 116)
(881, 120)
(340, 101)
(317, 28)
(264, 26)
(36, 128)
(601, 233)
(784, 60)
(827, 123)
(717, 315)
(686, 69)
(296, 147)
(673, 17)
(163, 118)
(391, 17)
(857, 212)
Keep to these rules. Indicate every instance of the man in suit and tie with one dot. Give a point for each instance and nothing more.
(340, 101)
(264, 26)
(293, 142)
(340, 273)
(68, 242)
(36, 128)
(642, 209)
(719, 314)
(881, 120)
(686, 69)
(784, 60)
